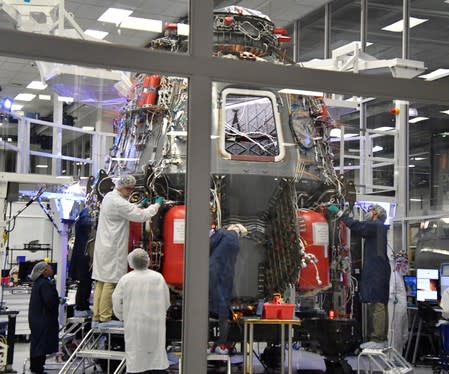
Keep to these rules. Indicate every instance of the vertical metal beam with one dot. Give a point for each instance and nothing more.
(196, 255)
(327, 30)
(406, 30)
(363, 24)
(57, 136)
(296, 46)
(402, 162)
(23, 144)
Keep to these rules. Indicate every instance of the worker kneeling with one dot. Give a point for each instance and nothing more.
(141, 300)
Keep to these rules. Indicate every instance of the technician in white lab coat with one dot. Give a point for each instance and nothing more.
(141, 300)
(111, 242)
(397, 305)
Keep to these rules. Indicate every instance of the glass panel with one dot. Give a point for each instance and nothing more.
(40, 165)
(147, 24)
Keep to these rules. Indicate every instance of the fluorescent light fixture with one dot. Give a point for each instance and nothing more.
(445, 220)
(10, 140)
(97, 34)
(417, 200)
(418, 119)
(143, 24)
(124, 159)
(42, 166)
(66, 99)
(37, 85)
(45, 97)
(445, 111)
(1, 139)
(301, 92)
(6, 104)
(358, 99)
(16, 107)
(88, 128)
(446, 1)
(377, 148)
(183, 29)
(25, 97)
(419, 158)
(399, 25)
(114, 15)
(436, 74)
(411, 166)
(384, 128)
(353, 150)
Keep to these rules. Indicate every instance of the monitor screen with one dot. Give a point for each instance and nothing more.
(410, 285)
(444, 278)
(26, 267)
(427, 285)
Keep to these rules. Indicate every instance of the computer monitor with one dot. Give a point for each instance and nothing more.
(427, 285)
(410, 286)
(26, 267)
(444, 278)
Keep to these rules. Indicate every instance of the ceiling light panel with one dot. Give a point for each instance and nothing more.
(418, 119)
(45, 97)
(436, 74)
(114, 15)
(142, 24)
(24, 97)
(37, 85)
(399, 25)
(97, 34)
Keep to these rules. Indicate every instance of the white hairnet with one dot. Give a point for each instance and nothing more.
(138, 259)
(239, 229)
(125, 181)
(38, 269)
(381, 212)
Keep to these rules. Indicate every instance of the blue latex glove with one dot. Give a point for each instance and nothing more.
(144, 203)
(333, 209)
(159, 200)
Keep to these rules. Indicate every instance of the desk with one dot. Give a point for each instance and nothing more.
(248, 330)
(10, 339)
(416, 318)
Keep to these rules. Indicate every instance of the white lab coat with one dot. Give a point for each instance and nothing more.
(111, 242)
(444, 304)
(141, 300)
(397, 313)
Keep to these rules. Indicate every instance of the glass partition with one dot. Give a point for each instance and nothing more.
(148, 24)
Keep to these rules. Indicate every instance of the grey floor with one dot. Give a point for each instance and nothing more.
(21, 353)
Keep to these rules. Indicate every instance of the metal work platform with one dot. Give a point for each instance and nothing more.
(386, 360)
(98, 348)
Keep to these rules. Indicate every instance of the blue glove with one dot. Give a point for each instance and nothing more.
(159, 200)
(144, 203)
(333, 209)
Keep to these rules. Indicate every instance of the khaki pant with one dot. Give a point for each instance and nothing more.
(377, 322)
(103, 301)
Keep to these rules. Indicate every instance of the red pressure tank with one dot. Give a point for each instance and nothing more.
(174, 233)
(315, 237)
(135, 235)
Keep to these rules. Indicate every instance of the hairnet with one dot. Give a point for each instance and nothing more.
(381, 212)
(138, 259)
(240, 229)
(38, 269)
(125, 181)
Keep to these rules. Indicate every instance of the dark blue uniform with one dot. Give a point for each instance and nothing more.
(224, 248)
(43, 321)
(375, 278)
(79, 264)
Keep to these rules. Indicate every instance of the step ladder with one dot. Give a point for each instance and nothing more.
(386, 360)
(96, 346)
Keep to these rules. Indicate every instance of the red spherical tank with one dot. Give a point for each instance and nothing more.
(174, 233)
(315, 236)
